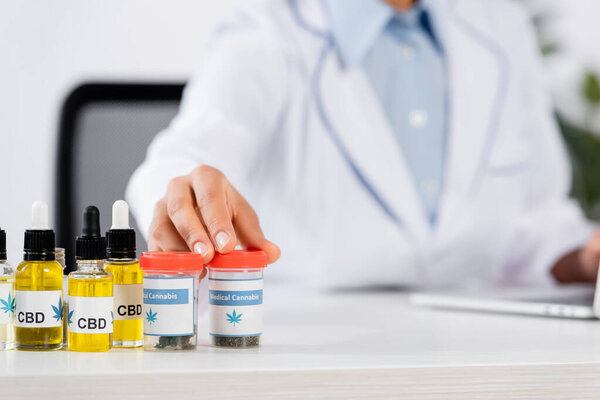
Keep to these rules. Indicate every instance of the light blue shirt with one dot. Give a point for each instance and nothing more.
(402, 56)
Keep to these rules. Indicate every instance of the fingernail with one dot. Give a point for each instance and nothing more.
(201, 248)
(222, 239)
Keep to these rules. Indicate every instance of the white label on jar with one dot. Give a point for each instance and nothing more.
(7, 303)
(169, 306)
(38, 308)
(235, 307)
(90, 314)
(128, 301)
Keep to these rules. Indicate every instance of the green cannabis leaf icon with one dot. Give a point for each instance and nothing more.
(8, 305)
(150, 316)
(58, 310)
(234, 318)
(69, 315)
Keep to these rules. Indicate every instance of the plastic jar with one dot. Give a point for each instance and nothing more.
(170, 306)
(235, 297)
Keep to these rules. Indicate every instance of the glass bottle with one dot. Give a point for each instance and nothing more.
(38, 288)
(121, 262)
(7, 298)
(59, 255)
(90, 310)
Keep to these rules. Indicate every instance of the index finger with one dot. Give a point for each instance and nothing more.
(181, 208)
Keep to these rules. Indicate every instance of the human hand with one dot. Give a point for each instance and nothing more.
(589, 257)
(202, 212)
(580, 265)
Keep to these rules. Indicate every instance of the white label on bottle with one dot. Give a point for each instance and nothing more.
(235, 307)
(38, 308)
(90, 314)
(7, 303)
(169, 306)
(128, 301)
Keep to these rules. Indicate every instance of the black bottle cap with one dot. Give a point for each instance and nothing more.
(120, 243)
(90, 245)
(120, 238)
(39, 240)
(39, 245)
(2, 245)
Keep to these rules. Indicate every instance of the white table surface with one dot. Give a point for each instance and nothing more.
(345, 345)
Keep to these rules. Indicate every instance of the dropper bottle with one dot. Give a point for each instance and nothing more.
(121, 262)
(90, 308)
(7, 298)
(38, 288)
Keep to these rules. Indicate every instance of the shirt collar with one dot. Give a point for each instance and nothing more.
(356, 24)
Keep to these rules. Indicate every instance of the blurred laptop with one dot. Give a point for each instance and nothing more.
(578, 301)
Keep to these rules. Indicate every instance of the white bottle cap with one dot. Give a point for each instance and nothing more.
(120, 215)
(39, 216)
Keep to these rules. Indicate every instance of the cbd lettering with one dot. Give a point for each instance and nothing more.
(31, 317)
(91, 323)
(130, 310)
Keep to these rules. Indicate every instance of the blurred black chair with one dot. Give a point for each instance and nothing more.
(104, 131)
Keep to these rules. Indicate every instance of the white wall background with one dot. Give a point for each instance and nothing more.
(48, 47)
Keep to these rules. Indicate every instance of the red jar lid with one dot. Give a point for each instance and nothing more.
(239, 259)
(175, 261)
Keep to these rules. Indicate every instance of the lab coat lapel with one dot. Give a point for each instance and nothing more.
(364, 135)
(477, 76)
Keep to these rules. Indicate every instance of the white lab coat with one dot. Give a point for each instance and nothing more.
(306, 142)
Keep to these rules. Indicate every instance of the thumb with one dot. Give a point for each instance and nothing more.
(248, 231)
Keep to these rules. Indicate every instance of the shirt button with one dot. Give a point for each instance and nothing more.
(407, 51)
(430, 187)
(417, 118)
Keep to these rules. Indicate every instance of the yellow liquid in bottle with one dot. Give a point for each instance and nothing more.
(37, 276)
(127, 332)
(97, 284)
(7, 331)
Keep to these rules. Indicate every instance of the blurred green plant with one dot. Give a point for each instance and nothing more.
(590, 92)
(584, 150)
(583, 142)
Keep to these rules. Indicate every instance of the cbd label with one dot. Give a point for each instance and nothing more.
(128, 301)
(7, 303)
(90, 314)
(169, 306)
(38, 308)
(235, 307)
